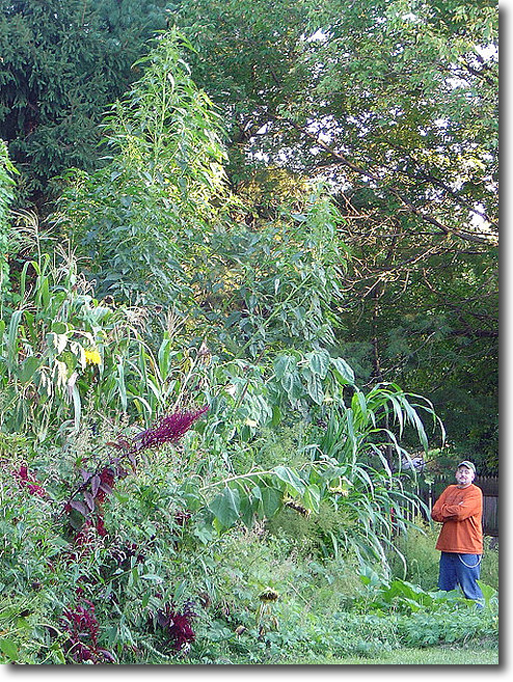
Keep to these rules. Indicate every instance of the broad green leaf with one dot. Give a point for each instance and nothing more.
(417, 422)
(276, 418)
(259, 409)
(12, 339)
(248, 507)
(314, 385)
(9, 648)
(23, 278)
(257, 493)
(342, 371)
(271, 501)
(312, 497)
(288, 382)
(59, 328)
(283, 365)
(350, 430)
(359, 404)
(290, 477)
(42, 291)
(28, 368)
(164, 355)
(319, 362)
(120, 382)
(226, 506)
(204, 533)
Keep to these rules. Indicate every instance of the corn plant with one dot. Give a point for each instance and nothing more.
(60, 346)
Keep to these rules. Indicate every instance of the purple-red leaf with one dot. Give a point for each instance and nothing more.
(89, 500)
(106, 488)
(86, 475)
(110, 657)
(80, 507)
(95, 484)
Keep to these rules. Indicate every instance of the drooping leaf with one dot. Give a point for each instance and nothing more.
(343, 371)
(319, 362)
(290, 477)
(226, 507)
(80, 507)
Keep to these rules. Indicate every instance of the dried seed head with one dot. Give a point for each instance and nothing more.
(268, 595)
(296, 506)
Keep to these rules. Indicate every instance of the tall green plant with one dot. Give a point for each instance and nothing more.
(158, 224)
(344, 458)
(281, 282)
(7, 171)
(144, 221)
(397, 103)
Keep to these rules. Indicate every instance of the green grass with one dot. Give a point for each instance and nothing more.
(431, 656)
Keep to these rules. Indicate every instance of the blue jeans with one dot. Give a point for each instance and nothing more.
(463, 570)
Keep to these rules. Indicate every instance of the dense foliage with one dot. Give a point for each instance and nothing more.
(396, 103)
(63, 64)
(111, 559)
(221, 351)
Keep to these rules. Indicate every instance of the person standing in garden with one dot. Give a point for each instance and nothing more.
(460, 509)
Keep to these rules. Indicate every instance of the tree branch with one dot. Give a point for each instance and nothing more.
(445, 229)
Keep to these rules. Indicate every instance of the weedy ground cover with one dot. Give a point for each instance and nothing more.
(441, 656)
(148, 585)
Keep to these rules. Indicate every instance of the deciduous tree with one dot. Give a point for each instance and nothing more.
(63, 64)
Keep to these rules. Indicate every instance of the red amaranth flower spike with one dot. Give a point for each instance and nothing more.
(181, 631)
(169, 430)
(97, 486)
(83, 630)
(100, 527)
(178, 624)
(27, 480)
(104, 482)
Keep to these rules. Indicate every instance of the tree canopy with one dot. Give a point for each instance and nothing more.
(63, 64)
(392, 106)
(396, 105)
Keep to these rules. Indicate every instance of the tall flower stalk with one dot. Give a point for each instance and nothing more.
(98, 485)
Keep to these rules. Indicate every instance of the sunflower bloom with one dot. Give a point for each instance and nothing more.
(92, 357)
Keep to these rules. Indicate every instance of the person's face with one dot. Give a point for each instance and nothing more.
(464, 476)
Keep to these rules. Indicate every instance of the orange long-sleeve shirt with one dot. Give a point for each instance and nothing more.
(461, 511)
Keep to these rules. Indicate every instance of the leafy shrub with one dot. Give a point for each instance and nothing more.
(447, 627)
(319, 534)
(426, 618)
